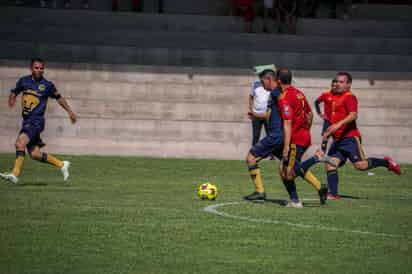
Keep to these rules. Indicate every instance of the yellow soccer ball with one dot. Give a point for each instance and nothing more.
(207, 191)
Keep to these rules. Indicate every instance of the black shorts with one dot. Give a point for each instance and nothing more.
(268, 146)
(347, 148)
(33, 131)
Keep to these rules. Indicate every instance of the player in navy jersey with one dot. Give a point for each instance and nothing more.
(273, 145)
(270, 145)
(35, 91)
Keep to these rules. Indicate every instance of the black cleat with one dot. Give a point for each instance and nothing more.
(256, 197)
(323, 194)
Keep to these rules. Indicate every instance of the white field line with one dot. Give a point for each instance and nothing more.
(214, 210)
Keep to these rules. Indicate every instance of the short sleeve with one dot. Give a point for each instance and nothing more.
(53, 92)
(285, 109)
(351, 103)
(321, 98)
(18, 88)
(255, 85)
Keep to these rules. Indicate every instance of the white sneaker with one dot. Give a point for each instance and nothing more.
(292, 204)
(65, 170)
(9, 177)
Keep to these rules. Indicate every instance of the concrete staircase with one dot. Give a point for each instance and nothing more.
(191, 112)
(212, 41)
(177, 85)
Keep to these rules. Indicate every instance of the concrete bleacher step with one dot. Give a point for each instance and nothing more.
(135, 130)
(203, 76)
(194, 40)
(89, 19)
(354, 28)
(96, 20)
(382, 12)
(203, 57)
(202, 112)
(191, 112)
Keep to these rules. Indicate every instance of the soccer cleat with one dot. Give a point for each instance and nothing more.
(65, 170)
(256, 197)
(330, 196)
(393, 166)
(9, 177)
(323, 158)
(323, 194)
(292, 204)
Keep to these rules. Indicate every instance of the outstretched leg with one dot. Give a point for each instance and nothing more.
(38, 155)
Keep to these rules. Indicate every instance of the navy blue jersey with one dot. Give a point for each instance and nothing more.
(275, 128)
(34, 96)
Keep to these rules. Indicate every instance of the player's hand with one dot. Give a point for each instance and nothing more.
(332, 129)
(251, 115)
(322, 116)
(285, 155)
(73, 117)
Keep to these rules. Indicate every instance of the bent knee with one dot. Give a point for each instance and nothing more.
(331, 168)
(290, 174)
(362, 165)
(35, 155)
(251, 159)
(20, 145)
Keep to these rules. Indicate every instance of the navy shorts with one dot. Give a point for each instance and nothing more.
(268, 146)
(33, 131)
(294, 157)
(325, 126)
(347, 148)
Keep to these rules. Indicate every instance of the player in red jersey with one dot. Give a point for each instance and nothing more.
(326, 99)
(346, 136)
(297, 119)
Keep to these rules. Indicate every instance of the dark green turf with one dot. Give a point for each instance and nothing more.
(139, 215)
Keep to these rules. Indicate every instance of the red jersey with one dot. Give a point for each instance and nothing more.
(294, 106)
(343, 104)
(326, 98)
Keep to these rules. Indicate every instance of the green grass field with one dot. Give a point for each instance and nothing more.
(141, 215)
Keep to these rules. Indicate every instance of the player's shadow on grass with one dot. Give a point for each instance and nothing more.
(281, 202)
(32, 184)
(351, 197)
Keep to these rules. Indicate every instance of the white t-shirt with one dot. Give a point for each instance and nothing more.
(260, 97)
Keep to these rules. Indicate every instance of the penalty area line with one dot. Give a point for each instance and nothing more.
(213, 209)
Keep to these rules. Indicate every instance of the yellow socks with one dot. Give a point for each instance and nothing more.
(47, 158)
(311, 179)
(254, 172)
(18, 164)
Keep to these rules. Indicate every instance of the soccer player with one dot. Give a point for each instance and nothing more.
(272, 143)
(297, 120)
(346, 136)
(35, 90)
(326, 99)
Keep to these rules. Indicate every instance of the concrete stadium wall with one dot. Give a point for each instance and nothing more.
(191, 112)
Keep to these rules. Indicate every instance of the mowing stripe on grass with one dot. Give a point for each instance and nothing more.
(214, 210)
